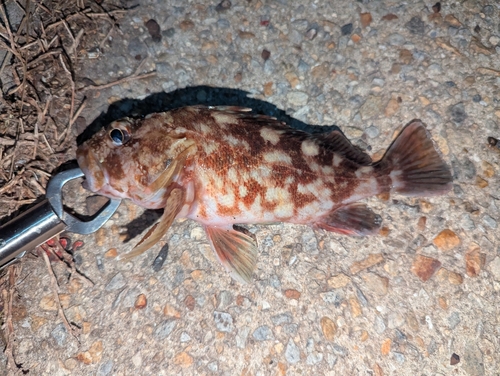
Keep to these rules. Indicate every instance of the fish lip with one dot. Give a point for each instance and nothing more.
(90, 166)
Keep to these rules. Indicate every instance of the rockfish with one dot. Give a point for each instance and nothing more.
(223, 166)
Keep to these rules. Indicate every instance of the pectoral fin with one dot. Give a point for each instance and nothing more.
(236, 251)
(174, 204)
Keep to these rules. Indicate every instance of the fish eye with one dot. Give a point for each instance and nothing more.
(119, 136)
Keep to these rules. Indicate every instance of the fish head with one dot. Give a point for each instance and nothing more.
(127, 159)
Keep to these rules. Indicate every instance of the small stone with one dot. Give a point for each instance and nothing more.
(165, 328)
(392, 107)
(416, 26)
(346, 29)
(377, 370)
(376, 283)
(495, 268)
(311, 33)
(457, 113)
(186, 25)
(490, 222)
(454, 320)
(141, 302)
(70, 364)
(111, 253)
(154, 30)
(190, 302)
(292, 352)
(396, 39)
(386, 346)
(474, 260)
(488, 169)
(443, 303)
(321, 71)
(338, 281)
(246, 35)
(455, 359)
(59, 334)
(48, 303)
(297, 98)
(169, 33)
(328, 328)
(436, 8)
(183, 359)
(372, 131)
(476, 98)
(455, 278)
(292, 79)
(355, 307)
(223, 322)
(170, 311)
(116, 283)
(451, 20)
(446, 240)
(292, 294)
(95, 351)
(389, 17)
(421, 223)
(283, 318)
(105, 368)
(425, 267)
(366, 19)
(371, 107)
(265, 54)
(405, 56)
(223, 6)
(356, 38)
(84, 357)
(185, 337)
(263, 333)
(371, 260)
(268, 89)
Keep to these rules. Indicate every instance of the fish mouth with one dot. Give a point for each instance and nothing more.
(95, 179)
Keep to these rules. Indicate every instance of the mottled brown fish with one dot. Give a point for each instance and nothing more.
(222, 166)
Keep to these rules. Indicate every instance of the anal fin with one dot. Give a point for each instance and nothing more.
(236, 251)
(354, 219)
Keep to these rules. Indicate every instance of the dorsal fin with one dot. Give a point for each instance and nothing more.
(336, 141)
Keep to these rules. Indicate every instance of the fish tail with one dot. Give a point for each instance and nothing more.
(412, 166)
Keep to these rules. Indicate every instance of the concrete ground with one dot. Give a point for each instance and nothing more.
(420, 298)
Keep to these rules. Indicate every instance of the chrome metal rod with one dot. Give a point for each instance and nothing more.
(30, 229)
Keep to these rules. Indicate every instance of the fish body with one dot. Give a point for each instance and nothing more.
(223, 166)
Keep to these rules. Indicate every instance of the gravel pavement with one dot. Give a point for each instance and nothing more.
(420, 298)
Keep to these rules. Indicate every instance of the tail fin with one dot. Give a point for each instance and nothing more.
(413, 164)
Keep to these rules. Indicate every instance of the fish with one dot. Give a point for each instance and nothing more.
(224, 166)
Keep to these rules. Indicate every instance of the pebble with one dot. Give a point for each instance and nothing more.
(338, 281)
(416, 26)
(213, 366)
(183, 359)
(328, 328)
(141, 302)
(297, 98)
(392, 107)
(490, 222)
(396, 39)
(223, 322)
(292, 352)
(185, 337)
(241, 337)
(59, 334)
(454, 320)
(457, 113)
(379, 325)
(165, 328)
(379, 285)
(282, 318)
(451, 20)
(154, 30)
(424, 267)
(116, 283)
(263, 333)
(395, 320)
(454, 360)
(371, 260)
(105, 368)
(371, 107)
(292, 294)
(225, 298)
(446, 240)
(386, 346)
(474, 260)
(366, 19)
(355, 307)
(495, 268)
(346, 29)
(372, 131)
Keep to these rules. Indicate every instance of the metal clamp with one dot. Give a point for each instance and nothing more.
(47, 219)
